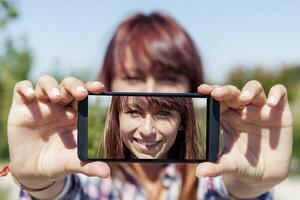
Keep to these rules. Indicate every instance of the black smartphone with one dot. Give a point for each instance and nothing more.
(148, 127)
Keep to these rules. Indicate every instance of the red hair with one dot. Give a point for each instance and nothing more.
(159, 46)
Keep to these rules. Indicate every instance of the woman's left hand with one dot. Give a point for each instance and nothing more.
(258, 137)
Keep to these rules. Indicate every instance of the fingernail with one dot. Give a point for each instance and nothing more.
(30, 91)
(55, 91)
(98, 84)
(245, 93)
(272, 100)
(204, 85)
(70, 114)
(199, 175)
(219, 91)
(80, 89)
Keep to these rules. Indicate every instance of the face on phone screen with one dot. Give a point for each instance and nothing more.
(147, 127)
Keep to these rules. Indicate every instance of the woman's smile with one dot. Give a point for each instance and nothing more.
(145, 146)
(147, 143)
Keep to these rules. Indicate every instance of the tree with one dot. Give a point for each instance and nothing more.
(287, 76)
(7, 12)
(15, 64)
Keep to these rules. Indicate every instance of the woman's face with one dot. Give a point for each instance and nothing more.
(148, 134)
(149, 83)
(136, 81)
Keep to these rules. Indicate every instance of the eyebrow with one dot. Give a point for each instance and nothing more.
(164, 72)
(131, 71)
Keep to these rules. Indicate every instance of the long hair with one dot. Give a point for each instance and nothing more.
(159, 45)
(188, 143)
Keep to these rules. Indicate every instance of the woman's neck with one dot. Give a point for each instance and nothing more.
(153, 171)
(149, 172)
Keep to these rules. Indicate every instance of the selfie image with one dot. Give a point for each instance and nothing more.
(138, 127)
(149, 100)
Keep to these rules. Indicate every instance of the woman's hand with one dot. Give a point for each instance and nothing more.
(258, 137)
(42, 131)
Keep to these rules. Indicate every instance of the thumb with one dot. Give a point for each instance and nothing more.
(224, 165)
(99, 169)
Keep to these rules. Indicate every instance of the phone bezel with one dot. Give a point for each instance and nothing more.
(212, 130)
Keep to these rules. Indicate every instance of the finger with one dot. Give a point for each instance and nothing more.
(224, 165)
(41, 113)
(73, 88)
(99, 169)
(95, 87)
(47, 88)
(253, 93)
(227, 95)
(252, 118)
(277, 96)
(206, 89)
(236, 123)
(23, 92)
(220, 93)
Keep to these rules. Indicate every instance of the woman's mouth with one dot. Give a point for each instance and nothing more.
(147, 145)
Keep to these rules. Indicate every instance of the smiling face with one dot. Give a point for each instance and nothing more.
(150, 132)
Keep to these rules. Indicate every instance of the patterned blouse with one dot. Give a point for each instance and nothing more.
(79, 187)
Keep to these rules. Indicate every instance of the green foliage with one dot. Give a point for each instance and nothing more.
(296, 115)
(96, 122)
(14, 66)
(288, 77)
(7, 12)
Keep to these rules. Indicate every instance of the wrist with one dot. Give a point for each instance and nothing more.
(34, 186)
(41, 189)
(47, 192)
(35, 189)
(240, 189)
(26, 181)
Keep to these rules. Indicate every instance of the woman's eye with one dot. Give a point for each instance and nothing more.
(164, 113)
(170, 79)
(133, 113)
(132, 78)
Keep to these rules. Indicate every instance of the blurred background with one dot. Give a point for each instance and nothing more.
(238, 41)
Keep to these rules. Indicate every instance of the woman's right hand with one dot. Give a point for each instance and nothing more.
(42, 131)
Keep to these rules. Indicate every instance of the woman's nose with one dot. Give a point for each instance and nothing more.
(147, 127)
(150, 84)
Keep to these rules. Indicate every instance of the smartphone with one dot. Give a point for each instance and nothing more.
(148, 127)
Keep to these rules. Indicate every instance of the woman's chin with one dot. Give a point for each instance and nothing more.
(147, 156)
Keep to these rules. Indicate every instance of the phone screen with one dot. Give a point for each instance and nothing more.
(137, 127)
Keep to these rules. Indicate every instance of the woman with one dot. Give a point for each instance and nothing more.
(152, 128)
(148, 54)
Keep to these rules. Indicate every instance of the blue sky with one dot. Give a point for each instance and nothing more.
(71, 35)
